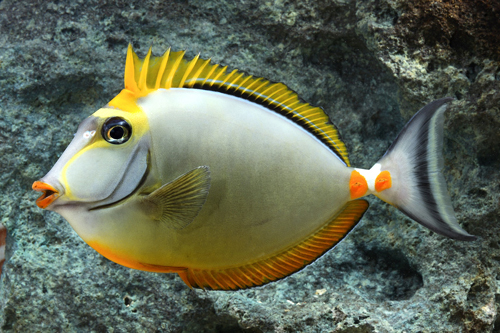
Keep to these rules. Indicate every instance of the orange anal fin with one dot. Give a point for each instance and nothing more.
(282, 264)
(383, 181)
(184, 277)
(131, 263)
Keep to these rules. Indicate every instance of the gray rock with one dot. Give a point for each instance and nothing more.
(369, 64)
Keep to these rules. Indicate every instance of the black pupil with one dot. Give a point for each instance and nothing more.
(116, 132)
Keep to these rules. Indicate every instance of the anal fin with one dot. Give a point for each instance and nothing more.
(283, 264)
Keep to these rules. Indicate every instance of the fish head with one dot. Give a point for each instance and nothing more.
(106, 161)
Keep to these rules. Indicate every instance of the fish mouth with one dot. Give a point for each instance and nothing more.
(49, 195)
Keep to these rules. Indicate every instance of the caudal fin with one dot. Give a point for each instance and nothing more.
(414, 161)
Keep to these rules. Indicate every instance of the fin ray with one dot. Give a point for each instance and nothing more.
(179, 202)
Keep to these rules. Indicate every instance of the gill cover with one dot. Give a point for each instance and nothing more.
(98, 166)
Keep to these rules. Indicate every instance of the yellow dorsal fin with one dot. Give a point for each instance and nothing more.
(144, 72)
(172, 70)
(130, 82)
(281, 264)
(161, 70)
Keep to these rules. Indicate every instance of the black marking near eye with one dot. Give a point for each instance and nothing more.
(116, 130)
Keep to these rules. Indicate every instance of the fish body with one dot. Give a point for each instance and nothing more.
(228, 180)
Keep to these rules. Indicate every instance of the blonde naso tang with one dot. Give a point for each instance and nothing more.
(230, 180)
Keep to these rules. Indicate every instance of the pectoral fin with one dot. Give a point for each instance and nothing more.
(177, 203)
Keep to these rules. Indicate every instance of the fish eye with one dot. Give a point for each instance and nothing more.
(116, 130)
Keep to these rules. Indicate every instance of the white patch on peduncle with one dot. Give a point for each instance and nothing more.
(370, 176)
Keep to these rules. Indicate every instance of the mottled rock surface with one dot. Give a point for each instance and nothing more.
(370, 65)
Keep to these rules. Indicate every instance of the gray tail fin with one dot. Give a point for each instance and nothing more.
(414, 161)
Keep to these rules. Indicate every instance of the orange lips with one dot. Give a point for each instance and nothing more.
(49, 194)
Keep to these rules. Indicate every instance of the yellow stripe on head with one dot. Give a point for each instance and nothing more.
(137, 120)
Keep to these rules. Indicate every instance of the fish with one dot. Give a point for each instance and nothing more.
(229, 180)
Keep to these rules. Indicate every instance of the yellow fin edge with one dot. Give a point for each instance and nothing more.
(282, 264)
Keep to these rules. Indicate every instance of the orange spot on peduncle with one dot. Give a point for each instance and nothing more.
(383, 181)
(357, 185)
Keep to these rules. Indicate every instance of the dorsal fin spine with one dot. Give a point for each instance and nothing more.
(300, 107)
(233, 83)
(292, 107)
(277, 98)
(196, 75)
(248, 88)
(188, 70)
(272, 97)
(285, 101)
(263, 94)
(173, 70)
(144, 71)
(209, 74)
(161, 71)
(129, 77)
(274, 93)
(223, 83)
(263, 84)
(265, 91)
(244, 81)
(221, 70)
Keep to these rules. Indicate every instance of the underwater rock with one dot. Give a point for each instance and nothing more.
(370, 64)
(3, 243)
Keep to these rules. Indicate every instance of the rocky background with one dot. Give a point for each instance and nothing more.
(370, 64)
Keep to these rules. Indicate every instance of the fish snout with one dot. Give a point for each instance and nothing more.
(49, 195)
